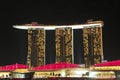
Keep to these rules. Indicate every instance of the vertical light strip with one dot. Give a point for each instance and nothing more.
(101, 43)
(72, 47)
(44, 47)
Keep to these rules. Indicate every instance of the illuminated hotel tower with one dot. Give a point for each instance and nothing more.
(92, 42)
(93, 47)
(36, 47)
(64, 45)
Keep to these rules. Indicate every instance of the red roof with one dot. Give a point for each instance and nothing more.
(110, 63)
(56, 66)
(13, 67)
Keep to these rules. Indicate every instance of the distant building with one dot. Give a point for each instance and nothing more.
(36, 47)
(64, 46)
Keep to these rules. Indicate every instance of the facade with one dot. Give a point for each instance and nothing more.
(92, 42)
(36, 47)
(64, 45)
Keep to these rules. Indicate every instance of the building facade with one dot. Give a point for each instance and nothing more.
(36, 47)
(64, 45)
(92, 43)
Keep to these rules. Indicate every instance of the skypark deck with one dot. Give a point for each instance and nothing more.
(53, 27)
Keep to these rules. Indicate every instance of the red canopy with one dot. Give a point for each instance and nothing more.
(56, 66)
(110, 63)
(13, 67)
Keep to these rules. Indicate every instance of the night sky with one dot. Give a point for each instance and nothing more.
(13, 42)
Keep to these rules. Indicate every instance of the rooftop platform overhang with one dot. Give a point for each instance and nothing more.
(53, 27)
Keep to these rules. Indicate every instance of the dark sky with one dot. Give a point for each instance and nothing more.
(13, 42)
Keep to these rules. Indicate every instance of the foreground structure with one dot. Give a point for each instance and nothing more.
(57, 71)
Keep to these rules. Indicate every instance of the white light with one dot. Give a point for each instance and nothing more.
(53, 27)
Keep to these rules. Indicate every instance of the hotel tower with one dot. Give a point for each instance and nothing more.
(64, 45)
